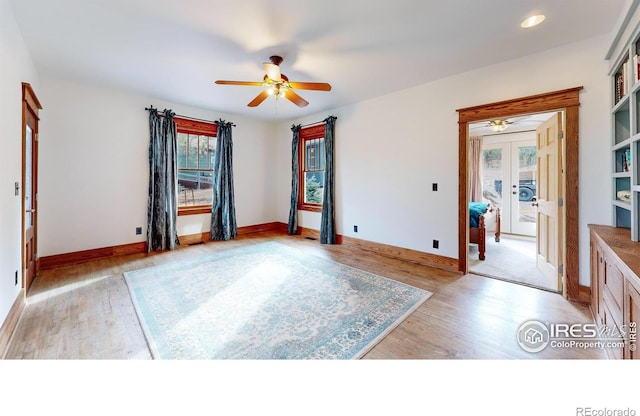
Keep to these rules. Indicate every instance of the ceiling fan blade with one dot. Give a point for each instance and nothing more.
(247, 83)
(316, 86)
(273, 72)
(295, 98)
(260, 98)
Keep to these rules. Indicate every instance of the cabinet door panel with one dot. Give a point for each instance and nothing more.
(612, 326)
(614, 287)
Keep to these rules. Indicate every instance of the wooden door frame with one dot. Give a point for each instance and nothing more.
(563, 100)
(30, 107)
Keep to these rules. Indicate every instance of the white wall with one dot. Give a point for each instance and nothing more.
(389, 150)
(94, 170)
(15, 67)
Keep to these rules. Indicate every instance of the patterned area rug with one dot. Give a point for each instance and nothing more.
(266, 301)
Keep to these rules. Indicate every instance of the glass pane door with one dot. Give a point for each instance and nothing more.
(524, 160)
(496, 180)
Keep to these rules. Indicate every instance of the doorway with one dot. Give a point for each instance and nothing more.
(509, 183)
(567, 100)
(30, 108)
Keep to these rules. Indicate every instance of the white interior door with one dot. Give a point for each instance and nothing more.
(550, 210)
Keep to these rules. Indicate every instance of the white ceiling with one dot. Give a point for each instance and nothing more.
(175, 50)
(517, 124)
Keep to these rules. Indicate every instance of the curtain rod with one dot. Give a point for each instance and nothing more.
(181, 116)
(317, 122)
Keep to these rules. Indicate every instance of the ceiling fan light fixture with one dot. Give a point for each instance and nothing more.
(532, 21)
(276, 84)
(497, 125)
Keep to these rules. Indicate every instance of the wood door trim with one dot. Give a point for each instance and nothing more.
(30, 108)
(567, 100)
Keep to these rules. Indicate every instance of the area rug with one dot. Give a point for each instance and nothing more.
(266, 301)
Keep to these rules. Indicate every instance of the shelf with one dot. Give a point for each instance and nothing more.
(622, 204)
(625, 143)
(621, 175)
(624, 100)
(625, 134)
(622, 123)
(622, 160)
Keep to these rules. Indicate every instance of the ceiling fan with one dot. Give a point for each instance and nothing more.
(499, 125)
(278, 85)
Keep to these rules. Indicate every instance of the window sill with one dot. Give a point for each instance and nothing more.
(193, 211)
(309, 207)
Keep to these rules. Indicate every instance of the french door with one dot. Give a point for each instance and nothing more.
(509, 181)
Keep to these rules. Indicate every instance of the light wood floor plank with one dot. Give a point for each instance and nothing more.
(85, 312)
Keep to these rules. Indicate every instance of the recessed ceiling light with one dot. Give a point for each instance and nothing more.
(532, 21)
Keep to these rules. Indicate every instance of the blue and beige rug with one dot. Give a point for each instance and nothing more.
(266, 301)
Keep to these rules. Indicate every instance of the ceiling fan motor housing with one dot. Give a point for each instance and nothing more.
(276, 60)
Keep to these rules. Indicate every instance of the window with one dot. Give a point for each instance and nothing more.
(311, 165)
(196, 152)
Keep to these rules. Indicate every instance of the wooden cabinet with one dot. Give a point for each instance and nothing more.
(615, 288)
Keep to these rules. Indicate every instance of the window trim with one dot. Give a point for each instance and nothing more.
(307, 133)
(189, 126)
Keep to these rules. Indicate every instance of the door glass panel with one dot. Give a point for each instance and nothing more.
(28, 180)
(492, 175)
(527, 161)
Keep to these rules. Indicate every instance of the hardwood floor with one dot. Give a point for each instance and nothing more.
(85, 312)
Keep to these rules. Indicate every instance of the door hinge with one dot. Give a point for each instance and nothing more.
(561, 135)
(560, 202)
(561, 269)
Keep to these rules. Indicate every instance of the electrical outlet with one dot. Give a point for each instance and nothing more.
(138, 230)
(355, 228)
(434, 187)
(436, 244)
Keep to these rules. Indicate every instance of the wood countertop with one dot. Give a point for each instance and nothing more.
(619, 241)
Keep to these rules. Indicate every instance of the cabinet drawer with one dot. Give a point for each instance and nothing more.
(614, 284)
